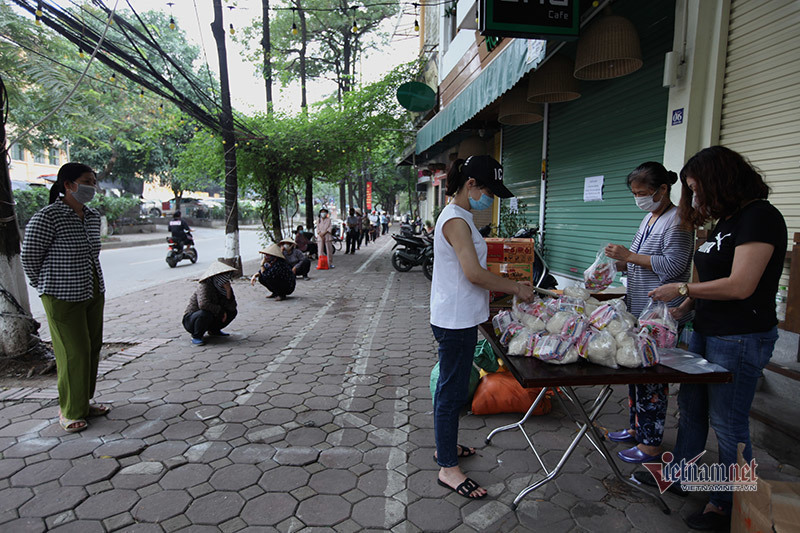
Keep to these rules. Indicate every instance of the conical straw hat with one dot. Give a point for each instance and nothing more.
(217, 267)
(273, 250)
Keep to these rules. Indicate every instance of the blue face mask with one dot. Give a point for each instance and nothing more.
(484, 203)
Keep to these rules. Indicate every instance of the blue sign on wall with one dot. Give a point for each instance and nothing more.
(677, 116)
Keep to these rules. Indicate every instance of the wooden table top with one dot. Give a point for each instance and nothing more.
(532, 372)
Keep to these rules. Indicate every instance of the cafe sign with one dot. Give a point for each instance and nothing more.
(530, 19)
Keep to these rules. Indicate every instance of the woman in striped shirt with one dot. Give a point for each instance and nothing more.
(660, 253)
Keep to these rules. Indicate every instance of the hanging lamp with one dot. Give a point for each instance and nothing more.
(515, 110)
(553, 82)
(608, 49)
(472, 146)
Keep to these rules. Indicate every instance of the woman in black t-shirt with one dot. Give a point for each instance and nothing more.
(735, 322)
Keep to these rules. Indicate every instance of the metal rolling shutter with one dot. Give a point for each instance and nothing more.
(522, 160)
(612, 128)
(761, 100)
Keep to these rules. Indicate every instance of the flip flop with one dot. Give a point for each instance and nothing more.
(72, 426)
(98, 410)
(463, 451)
(465, 489)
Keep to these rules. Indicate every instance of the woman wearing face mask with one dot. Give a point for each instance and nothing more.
(739, 268)
(296, 259)
(459, 302)
(660, 253)
(324, 235)
(61, 256)
(213, 304)
(275, 273)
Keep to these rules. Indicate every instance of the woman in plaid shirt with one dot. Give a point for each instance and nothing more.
(61, 256)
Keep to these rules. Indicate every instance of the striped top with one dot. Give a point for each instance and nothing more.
(670, 251)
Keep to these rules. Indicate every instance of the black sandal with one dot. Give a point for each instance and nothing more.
(465, 489)
(463, 451)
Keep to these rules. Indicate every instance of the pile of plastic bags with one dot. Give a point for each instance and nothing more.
(577, 326)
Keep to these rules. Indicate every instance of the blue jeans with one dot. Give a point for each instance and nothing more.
(726, 406)
(456, 351)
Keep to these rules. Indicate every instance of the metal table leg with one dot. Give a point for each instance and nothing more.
(599, 443)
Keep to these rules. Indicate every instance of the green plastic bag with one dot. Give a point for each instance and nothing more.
(484, 358)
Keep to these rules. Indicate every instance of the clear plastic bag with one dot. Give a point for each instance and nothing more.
(601, 274)
(533, 315)
(501, 321)
(511, 331)
(551, 347)
(602, 349)
(659, 324)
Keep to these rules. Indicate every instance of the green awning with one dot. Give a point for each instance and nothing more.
(516, 60)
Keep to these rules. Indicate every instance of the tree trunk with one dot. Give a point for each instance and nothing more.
(309, 203)
(343, 199)
(266, 44)
(350, 197)
(303, 50)
(226, 122)
(18, 329)
(273, 192)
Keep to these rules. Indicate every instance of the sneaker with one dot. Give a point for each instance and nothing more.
(306, 277)
(219, 333)
(331, 266)
(198, 342)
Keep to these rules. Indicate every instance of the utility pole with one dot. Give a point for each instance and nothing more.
(232, 255)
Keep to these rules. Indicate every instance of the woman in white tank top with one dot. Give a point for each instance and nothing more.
(459, 302)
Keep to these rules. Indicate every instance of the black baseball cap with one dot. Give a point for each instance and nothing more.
(488, 173)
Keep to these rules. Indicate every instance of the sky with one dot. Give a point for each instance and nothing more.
(247, 89)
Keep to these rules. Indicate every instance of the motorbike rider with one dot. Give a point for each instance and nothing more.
(180, 230)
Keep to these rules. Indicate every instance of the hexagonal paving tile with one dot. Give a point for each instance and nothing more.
(434, 515)
(164, 450)
(296, 456)
(252, 453)
(332, 481)
(161, 506)
(142, 430)
(13, 498)
(235, 477)
(120, 448)
(241, 413)
(381, 483)
(39, 473)
(164, 411)
(184, 430)
(105, 504)
(215, 508)
(340, 457)
(323, 510)
(128, 411)
(186, 476)
(269, 509)
(305, 436)
(81, 526)
(29, 447)
(284, 479)
(91, 471)
(378, 513)
(207, 452)
(9, 467)
(72, 449)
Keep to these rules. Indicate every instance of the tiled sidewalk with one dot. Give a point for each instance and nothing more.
(314, 416)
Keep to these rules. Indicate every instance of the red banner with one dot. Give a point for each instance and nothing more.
(369, 196)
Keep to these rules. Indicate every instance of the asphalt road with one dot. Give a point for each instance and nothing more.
(128, 270)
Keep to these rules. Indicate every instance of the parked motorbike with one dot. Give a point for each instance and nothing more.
(178, 252)
(415, 251)
(541, 272)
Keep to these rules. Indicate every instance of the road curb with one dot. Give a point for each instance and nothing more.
(110, 245)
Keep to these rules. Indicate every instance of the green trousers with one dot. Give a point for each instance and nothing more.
(77, 332)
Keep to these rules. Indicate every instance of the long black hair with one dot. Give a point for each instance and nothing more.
(455, 178)
(67, 173)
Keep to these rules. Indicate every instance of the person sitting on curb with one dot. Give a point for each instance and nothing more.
(213, 304)
(275, 273)
(297, 260)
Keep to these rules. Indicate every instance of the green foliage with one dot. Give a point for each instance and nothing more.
(29, 202)
(115, 208)
(511, 222)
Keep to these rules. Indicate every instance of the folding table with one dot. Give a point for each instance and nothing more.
(531, 372)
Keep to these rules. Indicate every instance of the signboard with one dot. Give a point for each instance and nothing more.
(677, 117)
(369, 196)
(530, 19)
(593, 189)
(416, 96)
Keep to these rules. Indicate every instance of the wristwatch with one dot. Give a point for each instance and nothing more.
(683, 289)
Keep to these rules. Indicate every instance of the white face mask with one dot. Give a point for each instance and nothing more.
(84, 194)
(695, 202)
(647, 203)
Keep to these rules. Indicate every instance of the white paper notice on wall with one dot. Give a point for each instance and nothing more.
(513, 204)
(593, 189)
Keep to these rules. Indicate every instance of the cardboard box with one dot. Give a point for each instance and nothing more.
(512, 271)
(509, 250)
(775, 506)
